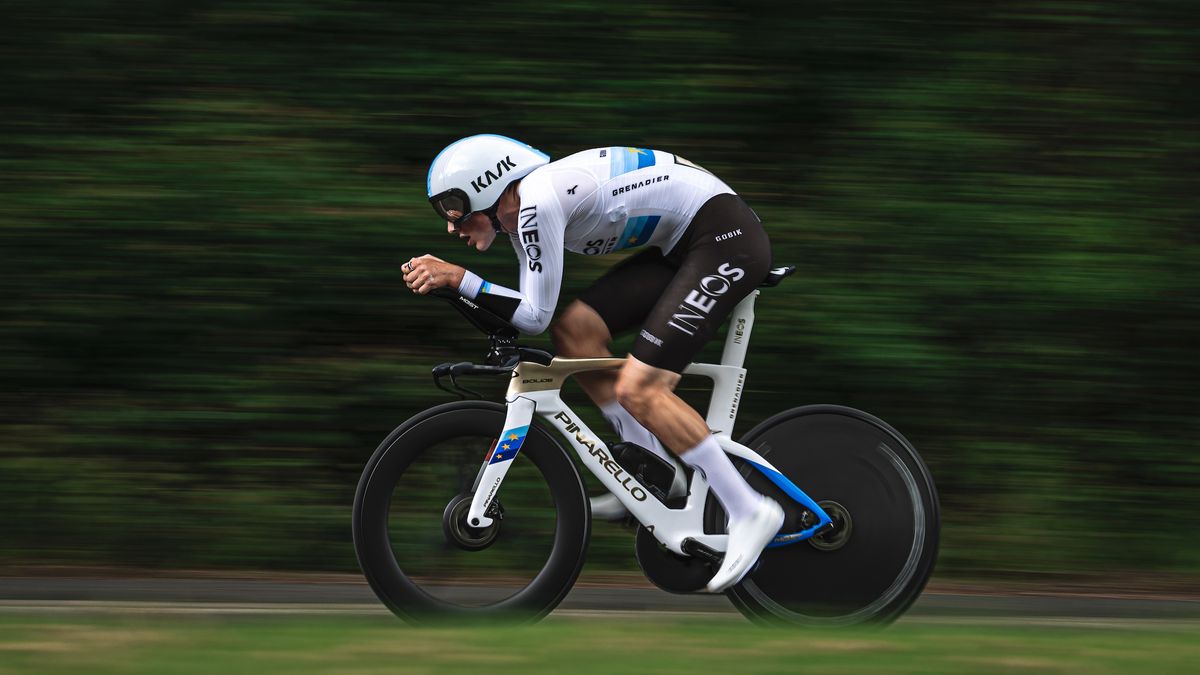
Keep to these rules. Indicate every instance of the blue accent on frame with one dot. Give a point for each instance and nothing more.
(509, 445)
(789, 488)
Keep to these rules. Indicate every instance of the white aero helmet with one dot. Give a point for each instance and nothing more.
(470, 174)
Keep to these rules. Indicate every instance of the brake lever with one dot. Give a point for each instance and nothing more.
(454, 370)
(442, 370)
(454, 383)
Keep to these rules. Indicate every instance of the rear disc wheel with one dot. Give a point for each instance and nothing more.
(876, 560)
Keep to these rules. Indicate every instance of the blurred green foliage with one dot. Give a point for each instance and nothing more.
(204, 206)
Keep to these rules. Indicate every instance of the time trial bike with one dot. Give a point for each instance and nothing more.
(441, 533)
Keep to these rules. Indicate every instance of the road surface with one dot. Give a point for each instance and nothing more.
(235, 595)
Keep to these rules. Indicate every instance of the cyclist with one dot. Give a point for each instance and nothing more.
(704, 250)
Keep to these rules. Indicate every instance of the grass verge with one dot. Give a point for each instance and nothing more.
(71, 643)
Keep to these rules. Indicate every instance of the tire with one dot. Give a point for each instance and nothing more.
(403, 533)
(873, 569)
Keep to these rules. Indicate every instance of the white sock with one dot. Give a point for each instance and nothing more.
(631, 430)
(736, 495)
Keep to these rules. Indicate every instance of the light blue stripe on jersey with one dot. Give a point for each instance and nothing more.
(637, 231)
(624, 160)
(486, 288)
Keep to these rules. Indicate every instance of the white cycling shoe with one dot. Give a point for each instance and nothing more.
(747, 539)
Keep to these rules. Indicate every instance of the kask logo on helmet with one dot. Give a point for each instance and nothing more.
(488, 177)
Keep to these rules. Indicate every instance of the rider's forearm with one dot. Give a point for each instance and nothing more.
(506, 303)
(471, 284)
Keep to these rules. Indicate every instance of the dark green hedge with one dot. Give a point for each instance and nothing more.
(204, 206)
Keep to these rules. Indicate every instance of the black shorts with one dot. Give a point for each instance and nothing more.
(679, 299)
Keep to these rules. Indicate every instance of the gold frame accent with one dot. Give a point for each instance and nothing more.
(530, 377)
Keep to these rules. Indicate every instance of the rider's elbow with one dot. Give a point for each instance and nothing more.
(535, 322)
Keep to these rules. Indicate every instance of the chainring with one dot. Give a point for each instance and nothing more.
(667, 570)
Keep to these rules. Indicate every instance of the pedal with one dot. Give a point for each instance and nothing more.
(696, 549)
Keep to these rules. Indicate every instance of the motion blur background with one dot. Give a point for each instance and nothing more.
(204, 207)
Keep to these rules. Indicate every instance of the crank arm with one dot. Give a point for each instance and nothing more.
(697, 550)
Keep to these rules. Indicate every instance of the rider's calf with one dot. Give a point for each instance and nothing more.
(648, 394)
(640, 396)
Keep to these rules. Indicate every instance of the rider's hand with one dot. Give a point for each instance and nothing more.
(428, 272)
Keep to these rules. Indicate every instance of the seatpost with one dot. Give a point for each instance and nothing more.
(738, 337)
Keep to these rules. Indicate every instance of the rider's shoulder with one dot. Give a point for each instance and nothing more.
(584, 160)
(565, 180)
(584, 156)
(537, 185)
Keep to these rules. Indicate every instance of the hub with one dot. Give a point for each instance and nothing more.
(835, 537)
(462, 535)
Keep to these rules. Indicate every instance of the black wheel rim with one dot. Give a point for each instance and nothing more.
(399, 530)
(501, 566)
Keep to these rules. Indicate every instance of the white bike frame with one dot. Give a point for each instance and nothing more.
(534, 389)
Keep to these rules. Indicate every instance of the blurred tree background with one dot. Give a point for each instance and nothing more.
(204, 207)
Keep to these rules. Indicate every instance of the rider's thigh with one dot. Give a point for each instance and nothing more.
(625, 294)
(725, 258)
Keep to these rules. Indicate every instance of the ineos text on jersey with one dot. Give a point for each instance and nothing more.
(698, 303)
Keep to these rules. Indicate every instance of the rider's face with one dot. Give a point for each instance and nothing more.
(477, 230)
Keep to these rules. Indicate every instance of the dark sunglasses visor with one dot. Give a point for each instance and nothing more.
(453, 205)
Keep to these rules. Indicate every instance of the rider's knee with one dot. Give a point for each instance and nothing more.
(579, 331)
(630, 397)
(636, 394)
(561, 334)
